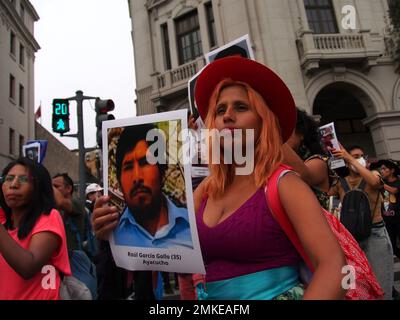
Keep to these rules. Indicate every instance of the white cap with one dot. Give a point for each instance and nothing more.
(93, 187)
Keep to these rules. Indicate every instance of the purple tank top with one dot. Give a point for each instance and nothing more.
(248, 241)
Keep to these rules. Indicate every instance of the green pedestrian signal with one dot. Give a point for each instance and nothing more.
(60, 121)
(60, 125)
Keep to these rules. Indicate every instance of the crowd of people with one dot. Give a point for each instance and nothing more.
(45, 232)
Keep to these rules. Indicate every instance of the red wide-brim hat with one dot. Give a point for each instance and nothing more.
(262, 79)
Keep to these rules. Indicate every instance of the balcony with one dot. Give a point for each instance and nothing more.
(174, 80)
(321, 49)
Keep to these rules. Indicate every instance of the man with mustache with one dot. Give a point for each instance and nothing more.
(150, 219)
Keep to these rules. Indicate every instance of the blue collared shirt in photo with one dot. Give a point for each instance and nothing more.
(173, 235)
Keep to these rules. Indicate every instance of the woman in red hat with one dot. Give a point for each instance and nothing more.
(247, 254)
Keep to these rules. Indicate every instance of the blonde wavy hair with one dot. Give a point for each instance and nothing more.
(268, 145)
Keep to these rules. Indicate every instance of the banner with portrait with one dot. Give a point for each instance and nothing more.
(32, 151)
(329, 141)
(148, 179)
(240, 46)
(35, 150)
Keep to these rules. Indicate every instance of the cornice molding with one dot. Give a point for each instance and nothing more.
(11, 17)
(152, 4)
(32, 10)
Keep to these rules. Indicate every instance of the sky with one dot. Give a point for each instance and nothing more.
(85, 45)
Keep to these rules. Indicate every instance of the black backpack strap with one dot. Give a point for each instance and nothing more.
(361, 186)
(344, 184)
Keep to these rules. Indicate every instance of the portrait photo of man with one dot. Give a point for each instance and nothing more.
(150, 218)
(238, 47)
(32, 151)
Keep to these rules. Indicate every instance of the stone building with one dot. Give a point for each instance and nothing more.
(17, 56)
(334, 55)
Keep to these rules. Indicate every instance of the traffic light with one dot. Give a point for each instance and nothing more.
(102, 108)
(60, 121)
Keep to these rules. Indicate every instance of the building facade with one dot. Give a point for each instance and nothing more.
(334, 55)
(17, 55)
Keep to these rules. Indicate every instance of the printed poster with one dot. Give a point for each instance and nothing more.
(148, 179)
(42, 148)
(199, 167)
(32, 151)
(240, 46)
(329, 141)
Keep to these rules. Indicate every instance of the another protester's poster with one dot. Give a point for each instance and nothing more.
(32, 151)
(329, 141)
(199, 167)
(146, 172)
(240, 46)
(192, 103)
(43, 148)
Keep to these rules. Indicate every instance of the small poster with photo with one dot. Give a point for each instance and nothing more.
(148, 179)
(32, 151)
(43, 148)
(240, 46)
(329, 140)
(197, 169)
(192, 103)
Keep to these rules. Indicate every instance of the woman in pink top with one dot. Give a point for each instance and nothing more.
(33, 251)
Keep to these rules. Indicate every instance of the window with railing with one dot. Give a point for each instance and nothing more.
(188, 37)
(321, 16)
(211, 24)
(167, 52)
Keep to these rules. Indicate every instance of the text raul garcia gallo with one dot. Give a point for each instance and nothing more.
(153, 259)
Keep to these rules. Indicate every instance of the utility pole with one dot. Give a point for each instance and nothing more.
(81, 142)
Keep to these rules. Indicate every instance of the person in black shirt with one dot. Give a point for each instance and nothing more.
(390, 171)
